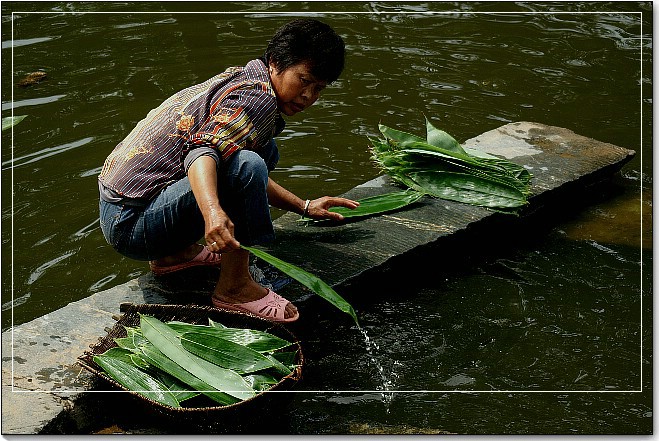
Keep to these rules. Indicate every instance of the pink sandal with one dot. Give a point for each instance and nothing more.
(271, 307)
(204, 258)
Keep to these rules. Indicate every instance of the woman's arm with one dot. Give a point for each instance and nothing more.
(219, 228)
(281, 198)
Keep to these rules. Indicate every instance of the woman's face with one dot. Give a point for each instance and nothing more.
(296, 88)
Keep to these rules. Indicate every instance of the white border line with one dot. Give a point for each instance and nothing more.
(428, 13)
(377, 391)
(12, 206)
(641, 188)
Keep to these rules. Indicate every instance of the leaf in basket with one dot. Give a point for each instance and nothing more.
(162, 362)
(307, 279)
(213, 324)
(125, 343)
(136, 380)
(179, 389)
(130, 353)
(127, 355)
(287, 358)
(259, 341)
(225, 353)
(167, 341)
(138, 361)
(133, 340)
(261, 381)
(119, 354)
(278, 365)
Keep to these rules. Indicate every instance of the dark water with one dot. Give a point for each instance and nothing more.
(546, 330)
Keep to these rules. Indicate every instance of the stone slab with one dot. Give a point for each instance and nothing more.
(560, 161)
(41, 383)
(40, 377)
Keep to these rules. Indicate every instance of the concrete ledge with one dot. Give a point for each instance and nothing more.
(42, 386)
(40, 377)
(560, 161)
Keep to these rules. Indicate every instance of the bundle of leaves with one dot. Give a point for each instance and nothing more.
(175, 361)
(439, 166)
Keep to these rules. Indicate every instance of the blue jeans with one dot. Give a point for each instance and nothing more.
(172, 221)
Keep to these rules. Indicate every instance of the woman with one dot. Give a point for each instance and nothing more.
(198, 165)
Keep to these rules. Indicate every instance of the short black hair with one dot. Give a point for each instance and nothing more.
(308, 40)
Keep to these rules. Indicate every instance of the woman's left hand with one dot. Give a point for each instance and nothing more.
(319, 208)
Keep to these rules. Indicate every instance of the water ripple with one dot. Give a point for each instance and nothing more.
(16, 302)
(31, 102)
(86, 230)
(37, 273)
(44, 153)
(28, 41)
(101, 283)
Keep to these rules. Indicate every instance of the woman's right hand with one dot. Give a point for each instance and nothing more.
(219, 232)
(219, 228)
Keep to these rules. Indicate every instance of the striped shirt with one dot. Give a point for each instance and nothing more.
(234, 110)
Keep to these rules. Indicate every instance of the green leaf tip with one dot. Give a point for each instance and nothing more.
(307, 279)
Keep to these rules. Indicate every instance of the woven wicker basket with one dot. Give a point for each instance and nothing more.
(195, 315)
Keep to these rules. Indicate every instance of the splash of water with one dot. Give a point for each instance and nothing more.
(387, 376)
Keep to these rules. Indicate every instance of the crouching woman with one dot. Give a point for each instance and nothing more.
(198, 166)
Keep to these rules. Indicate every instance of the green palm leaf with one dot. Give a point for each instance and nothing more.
(167, 341)
(375, 205)
(225, 353)
(165, 364)
(380, 204)
(462, 187)
(307, 279)
(129, 376)
(259, 341)
(440, 138)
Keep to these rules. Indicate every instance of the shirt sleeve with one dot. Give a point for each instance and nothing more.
(242, 118)
(197, 153)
